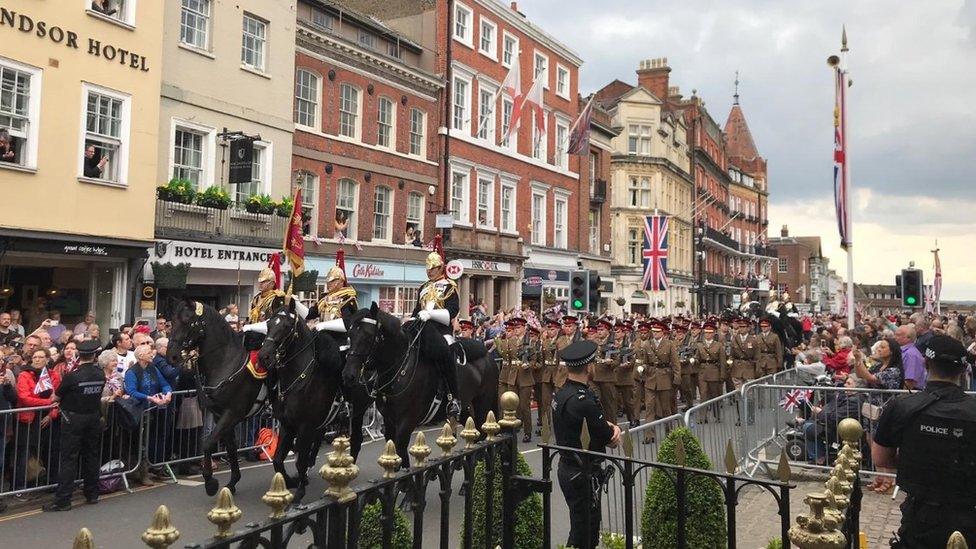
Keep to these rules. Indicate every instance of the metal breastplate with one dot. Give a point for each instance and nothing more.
(330, 307)
(435, 292)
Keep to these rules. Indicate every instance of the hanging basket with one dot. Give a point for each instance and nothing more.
(305, 282)
(620, 301)
(169, 276)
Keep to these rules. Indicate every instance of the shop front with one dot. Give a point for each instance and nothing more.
(493, 283)
(393, 285)
(40, 272)
(545, 288)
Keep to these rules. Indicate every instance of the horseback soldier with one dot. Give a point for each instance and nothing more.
(743, 354)
(338, 303)
(546, 372)
(437, 306)
(710, 357)
(268, 299)
(507, 348)
(661, 375)
(531, 362)
(567, 335)
(604, 377)
(770, 357)
(625, 373)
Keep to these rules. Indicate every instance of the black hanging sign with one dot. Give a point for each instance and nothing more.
(241, 158)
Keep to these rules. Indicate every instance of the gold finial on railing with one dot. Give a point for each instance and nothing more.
(83, 540)
(490, 426)
(390, 461)
(161, 533)
(470, 433)
(225, 513)
(419, 451)
(730, 461)
(510, 404)
(585, 436)
(783, 472)
(277, 497)
(447, 440)
(627, 443)
(957, 541)
(818, 530)
(680, 456)
(339, 470)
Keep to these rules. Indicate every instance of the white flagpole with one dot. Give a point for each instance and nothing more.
(845, 84)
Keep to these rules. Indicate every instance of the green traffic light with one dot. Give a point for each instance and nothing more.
(577, 303)
(910, 300)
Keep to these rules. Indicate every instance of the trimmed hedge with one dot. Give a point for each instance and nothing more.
(705, 507)
(528, 515)
(371, 531)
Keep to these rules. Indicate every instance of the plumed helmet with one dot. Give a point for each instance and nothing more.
(266, 275)
(434, 260)
(335, 273)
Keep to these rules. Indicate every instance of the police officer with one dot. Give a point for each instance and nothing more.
(80, 395)
(572, 405)
(933, 435)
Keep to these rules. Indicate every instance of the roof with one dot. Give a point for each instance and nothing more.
(738, 138)
(811, 242)
(608, 95)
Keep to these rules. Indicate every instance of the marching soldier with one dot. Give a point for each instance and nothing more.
(507, 348)
(640, 364)
(568, 333)
(710, 357)
(437, 306)
(530, 362)
(625, 373)
(604, 378)
(661, 375)
(743, 354)
(465, 328)
(548, 358)
(770, 357)
(689, 369)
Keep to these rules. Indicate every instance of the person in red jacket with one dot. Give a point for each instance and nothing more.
(37, 429)
(839, 364)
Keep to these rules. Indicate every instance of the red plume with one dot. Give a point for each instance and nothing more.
(274, 263)
(341, 262)
(439, 246)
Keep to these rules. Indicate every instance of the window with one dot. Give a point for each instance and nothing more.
(19, 105)
(461, 91)
(306, 98)
(510, 49)
(594, 231)
(783, 264)
(635, 241)
(188, 156)
(397, 300)
(541, 68)
(540, 141)
(639, 192)
(418, 124)
(539, 218)
(309, 183)
(415, 212)
(507, 108)
(382, 210)
(254, 42)
(559, 214)
(367, 39)
(195, 23)
(106, 135)
(463, 17)
(562, 81)
(346, 220)
(259, 177)
(394, 50)
(459, 196)
(487, 44)
(348, 111)
(639, 141)
(385, 122)
(508, 208)
(486, 202)
(803, 266)
(486, 114)
(121, 10)
(594, 160)
(323, 20)
(562, 145)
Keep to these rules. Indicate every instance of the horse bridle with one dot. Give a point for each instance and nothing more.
(374, 391)
(372, 352)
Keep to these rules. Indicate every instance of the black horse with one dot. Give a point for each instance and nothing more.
(406, 382)
(204, 344)
(309, 369)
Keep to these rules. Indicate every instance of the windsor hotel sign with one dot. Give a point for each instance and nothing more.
(96, 48)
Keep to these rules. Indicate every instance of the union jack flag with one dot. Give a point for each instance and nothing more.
(840, 159)
(655, 253)
(794, 398)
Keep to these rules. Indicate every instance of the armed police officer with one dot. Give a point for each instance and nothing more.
(79, 397)
(572, 405)
(931, 435)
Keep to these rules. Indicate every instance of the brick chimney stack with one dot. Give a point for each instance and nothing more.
(653, 75)
(785, 231)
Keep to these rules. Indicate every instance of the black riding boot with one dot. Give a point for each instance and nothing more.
(450, 376)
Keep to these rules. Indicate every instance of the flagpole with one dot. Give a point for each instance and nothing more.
(845, 84)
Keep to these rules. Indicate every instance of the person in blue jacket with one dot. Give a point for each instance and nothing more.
(147, 385)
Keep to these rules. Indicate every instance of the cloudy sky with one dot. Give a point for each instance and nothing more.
(912, 108)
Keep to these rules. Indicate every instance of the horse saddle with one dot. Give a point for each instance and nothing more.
(254, 366)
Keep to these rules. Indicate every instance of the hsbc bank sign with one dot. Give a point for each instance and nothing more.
(483, 265)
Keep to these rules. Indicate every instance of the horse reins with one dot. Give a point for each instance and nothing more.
(369, 358)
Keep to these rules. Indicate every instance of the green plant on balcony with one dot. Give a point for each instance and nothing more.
(284, 207)
(260, 203)
(177, 190)
(679, 304)
(170, 276)
(214, 197)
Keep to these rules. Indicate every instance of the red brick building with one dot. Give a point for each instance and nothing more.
(365, 150)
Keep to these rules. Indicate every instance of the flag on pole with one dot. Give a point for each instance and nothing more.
(512, 85)
(294, 246)
(533, 100)
(655, 253)
(937, 282)
(794, 398)
(841, 198)
(579, 134)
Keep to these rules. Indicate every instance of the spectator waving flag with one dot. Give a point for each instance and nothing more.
(44, 382)
(579, 134)
(655, 253)
(794, 398)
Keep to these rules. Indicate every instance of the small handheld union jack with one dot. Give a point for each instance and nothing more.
(794, 398)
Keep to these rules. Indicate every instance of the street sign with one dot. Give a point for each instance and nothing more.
(444, 221)
(454, 269)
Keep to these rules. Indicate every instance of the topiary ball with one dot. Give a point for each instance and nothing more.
(528, 514)
(371, 529)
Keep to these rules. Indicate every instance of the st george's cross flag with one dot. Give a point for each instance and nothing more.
(655, 253)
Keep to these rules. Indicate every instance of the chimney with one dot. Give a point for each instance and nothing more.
(785, 231)
(653, 75)
(674, 92)
(515, 6)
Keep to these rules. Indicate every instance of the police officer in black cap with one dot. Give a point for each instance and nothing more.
(573, 404)
(931, 436)
(79, 397)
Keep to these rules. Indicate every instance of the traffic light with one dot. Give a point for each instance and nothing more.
(911, 288)
(593, 296)
(898, 286)
(579, 291)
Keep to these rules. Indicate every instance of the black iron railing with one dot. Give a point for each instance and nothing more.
(598, 191)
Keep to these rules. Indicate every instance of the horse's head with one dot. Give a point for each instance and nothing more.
(282, 330)
(187, 331)
(366, 334)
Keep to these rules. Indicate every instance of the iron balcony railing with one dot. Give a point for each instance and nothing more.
(598, 191)
(233, 225)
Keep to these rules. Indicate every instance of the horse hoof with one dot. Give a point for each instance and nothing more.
(211, 486)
